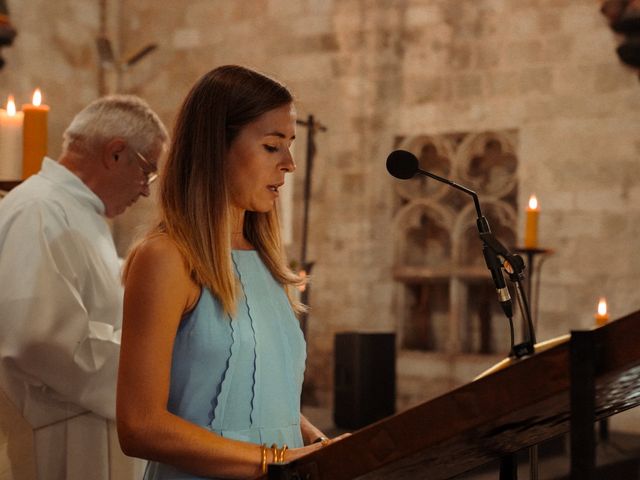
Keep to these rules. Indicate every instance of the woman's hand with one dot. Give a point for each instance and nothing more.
(296, 453)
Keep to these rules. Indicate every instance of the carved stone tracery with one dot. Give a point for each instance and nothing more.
(445, 297)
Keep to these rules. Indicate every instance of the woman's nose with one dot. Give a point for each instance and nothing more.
(288, 164)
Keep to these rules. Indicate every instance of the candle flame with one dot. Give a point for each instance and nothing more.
(533, 202)
(37, 97)
(602, 306)
(11, 106)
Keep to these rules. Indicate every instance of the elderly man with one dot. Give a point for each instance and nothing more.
(60, 294)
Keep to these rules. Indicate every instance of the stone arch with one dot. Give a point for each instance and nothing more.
(427, 220)
(434, 154)
(487, 163)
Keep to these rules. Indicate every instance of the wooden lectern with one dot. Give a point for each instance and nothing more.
(589, 376)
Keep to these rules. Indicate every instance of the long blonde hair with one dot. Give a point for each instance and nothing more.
(194, 198)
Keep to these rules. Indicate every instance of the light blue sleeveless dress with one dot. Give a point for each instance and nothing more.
(239, 377)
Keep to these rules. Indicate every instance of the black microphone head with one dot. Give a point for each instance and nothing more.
(402, 164)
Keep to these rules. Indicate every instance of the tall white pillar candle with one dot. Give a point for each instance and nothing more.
(11, 142)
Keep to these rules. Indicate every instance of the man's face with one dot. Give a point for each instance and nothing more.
(129, 179)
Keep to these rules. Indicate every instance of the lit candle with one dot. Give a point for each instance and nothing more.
(35, 134)
(602, 317)
(531, 223)
(10, 142)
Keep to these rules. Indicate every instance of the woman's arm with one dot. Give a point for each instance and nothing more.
(158, 290)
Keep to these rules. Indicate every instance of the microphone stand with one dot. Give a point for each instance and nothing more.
(514, 266)
(497, 257)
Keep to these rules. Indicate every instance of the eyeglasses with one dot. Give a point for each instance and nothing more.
(147, 168)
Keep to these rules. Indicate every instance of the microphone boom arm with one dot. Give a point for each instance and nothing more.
(455, 185)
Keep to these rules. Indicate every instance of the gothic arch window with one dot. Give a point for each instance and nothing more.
(444, 297)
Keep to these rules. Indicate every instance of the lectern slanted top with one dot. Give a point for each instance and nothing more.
(522, 405)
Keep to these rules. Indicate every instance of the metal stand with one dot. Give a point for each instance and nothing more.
(583, 357)
(530, 254)
(514, 266)
(498, 259)
(533, 462)
(312, 127)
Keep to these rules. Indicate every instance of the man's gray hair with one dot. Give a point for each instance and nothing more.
(124, 116)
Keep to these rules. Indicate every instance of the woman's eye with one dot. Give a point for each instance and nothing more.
(270, 148)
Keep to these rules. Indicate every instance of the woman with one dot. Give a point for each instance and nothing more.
(212, 356)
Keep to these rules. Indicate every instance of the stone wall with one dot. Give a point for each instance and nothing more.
(54, 50)
(372, 71)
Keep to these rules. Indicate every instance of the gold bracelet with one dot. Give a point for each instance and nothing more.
(263, 453)
(278, 453)
(282, 450)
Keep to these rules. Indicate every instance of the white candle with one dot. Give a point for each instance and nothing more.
(11, 142)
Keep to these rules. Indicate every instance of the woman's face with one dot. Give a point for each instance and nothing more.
(259, 157)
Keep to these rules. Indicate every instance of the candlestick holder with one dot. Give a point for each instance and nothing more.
(531, 254)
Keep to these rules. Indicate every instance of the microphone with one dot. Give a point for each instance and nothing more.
(494, 266)
(404, 165)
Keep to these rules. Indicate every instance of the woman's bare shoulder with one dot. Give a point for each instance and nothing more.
(159, 244)
(159, 256)
(156, 266)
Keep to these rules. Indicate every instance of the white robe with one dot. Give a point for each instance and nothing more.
(60, 324)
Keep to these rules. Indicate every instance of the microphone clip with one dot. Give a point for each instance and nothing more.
(499, 259)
